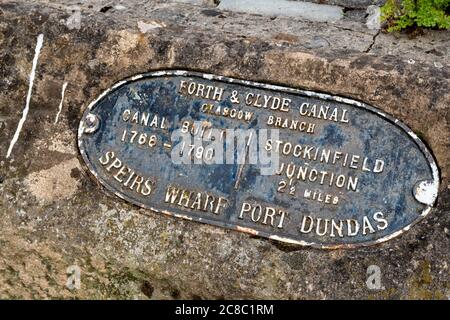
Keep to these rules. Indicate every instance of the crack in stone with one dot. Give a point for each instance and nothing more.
(353, 30)
(373, 42)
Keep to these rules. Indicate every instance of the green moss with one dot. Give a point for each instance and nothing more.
(421, 286)
(386, 294)
(116, 284)
(405, 14)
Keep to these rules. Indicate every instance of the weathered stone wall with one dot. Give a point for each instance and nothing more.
(53, 215)
(350, 4)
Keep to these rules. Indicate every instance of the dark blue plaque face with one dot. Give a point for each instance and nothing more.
(291, 165)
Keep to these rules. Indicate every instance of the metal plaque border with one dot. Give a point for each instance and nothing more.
(312, 94)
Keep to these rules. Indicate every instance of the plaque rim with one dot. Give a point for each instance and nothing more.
(433, 187)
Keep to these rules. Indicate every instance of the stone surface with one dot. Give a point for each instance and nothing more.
(349, 4)
(212, 3)
(55, 216)
(305, 10)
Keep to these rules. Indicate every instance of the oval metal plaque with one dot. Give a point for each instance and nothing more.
(296, 166)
